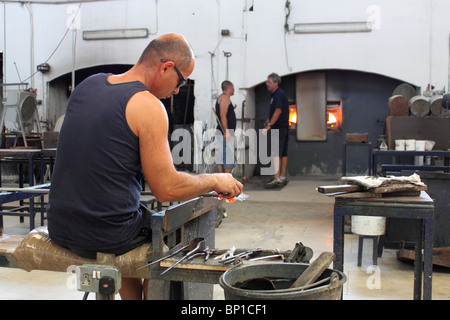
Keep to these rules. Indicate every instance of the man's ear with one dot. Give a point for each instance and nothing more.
(165, 66)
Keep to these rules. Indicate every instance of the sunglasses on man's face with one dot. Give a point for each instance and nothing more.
(183, 80)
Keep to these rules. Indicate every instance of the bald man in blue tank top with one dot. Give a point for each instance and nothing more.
(114, 134)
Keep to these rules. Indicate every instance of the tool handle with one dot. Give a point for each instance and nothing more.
(314, 270)
(163, 258)
(340, 188)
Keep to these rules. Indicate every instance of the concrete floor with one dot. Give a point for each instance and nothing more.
(268, 219)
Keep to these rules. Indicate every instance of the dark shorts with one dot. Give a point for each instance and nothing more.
(283, 139)
(144, 236)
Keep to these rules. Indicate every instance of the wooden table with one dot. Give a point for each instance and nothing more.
(419, 208)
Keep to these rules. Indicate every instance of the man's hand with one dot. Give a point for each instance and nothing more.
(228, 185)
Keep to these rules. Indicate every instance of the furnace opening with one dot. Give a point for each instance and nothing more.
(334, 115)
(292, 117)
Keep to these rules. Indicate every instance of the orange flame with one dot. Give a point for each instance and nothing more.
(331, 118)
(292, 115)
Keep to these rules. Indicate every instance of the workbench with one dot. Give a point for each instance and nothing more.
(395, 154)
(419, 208)
(171, 229)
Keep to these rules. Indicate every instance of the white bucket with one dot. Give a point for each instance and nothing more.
(368, 225)
(410, 145)
(420, 146)
(400, 145)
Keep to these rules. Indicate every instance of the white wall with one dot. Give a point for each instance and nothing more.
(410, 40)
(405, 33)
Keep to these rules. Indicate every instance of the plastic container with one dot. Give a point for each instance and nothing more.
(420, 146)
(368, 226)
(410, 145)
(400, 145)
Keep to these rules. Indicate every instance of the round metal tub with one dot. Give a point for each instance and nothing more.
(286, 273)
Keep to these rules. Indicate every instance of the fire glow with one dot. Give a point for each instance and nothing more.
(292, 115)
(332, 121)
(334, 115)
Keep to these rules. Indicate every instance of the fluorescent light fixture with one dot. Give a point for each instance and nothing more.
(333, 27)
(115, 34)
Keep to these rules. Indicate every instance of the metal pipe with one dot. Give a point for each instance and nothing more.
(28, 5)
(333, 27)
(25, 190)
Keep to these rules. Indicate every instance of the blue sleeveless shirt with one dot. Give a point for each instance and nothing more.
(96, 183)
(231, 117)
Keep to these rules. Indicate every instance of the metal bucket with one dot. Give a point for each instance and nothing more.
(284, 274)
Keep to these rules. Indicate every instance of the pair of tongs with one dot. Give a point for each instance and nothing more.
(221, 195)
(192, 245)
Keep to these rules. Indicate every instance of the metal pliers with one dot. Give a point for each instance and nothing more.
(192, 245)
(207, 252)
(200, 247)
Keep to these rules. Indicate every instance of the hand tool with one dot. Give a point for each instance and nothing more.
(192, 244)
(207, 252)
(200, 246)
(275, 256)
(300, 253)
(314, 270)
(343, 188)
(245, 254)
(228, 253)
(221, 195)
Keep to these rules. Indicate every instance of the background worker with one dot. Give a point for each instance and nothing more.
(114, 134)
(278, 120)
(227, 122)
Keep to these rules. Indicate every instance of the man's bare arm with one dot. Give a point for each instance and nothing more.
(148, 120)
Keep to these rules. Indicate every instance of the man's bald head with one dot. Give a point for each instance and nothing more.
(172, 47)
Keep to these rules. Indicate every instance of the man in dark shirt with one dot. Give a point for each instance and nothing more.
(278, 120)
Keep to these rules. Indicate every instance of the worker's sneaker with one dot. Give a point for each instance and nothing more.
(275, 183)
(283, 181)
